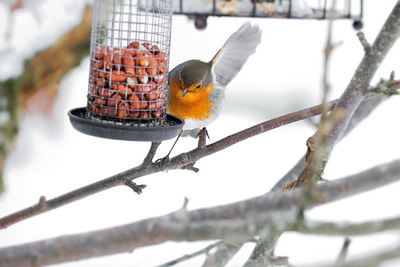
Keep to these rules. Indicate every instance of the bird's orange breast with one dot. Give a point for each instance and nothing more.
(194, 105)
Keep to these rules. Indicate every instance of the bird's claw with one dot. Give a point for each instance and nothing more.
(162, 161)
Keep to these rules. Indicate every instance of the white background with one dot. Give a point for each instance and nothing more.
(50, 158)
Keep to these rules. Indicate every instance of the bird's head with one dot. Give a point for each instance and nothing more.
(194, 79)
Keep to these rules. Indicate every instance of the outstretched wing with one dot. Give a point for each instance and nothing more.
(231, 57)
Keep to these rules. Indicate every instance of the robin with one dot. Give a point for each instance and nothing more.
(197, 88)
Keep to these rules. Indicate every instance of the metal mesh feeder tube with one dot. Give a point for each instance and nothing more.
(127, 88)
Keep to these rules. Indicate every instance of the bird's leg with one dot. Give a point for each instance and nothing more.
(176, 140)
(162, 160)
(202, 137)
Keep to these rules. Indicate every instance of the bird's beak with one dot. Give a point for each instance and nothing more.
(185, 91)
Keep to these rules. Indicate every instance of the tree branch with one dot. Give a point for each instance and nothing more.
(374, 260)
(262, 254)
(368, 105)
(341, 259)
(236, 222)
(347, 229)
(334, 127)
(205, 250)
(326, 137)
(364, 42)
(225, 252)
(152, 152)
(148, 167)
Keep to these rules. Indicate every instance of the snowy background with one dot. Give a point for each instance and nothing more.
(51, 158)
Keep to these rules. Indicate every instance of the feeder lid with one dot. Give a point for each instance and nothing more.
(82, 123)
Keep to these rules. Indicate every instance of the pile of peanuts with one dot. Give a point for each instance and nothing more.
(128, 83)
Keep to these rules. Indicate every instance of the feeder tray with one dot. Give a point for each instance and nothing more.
(96, 127)
(129, 60)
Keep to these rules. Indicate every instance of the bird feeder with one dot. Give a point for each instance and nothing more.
(200, 10)
(127, 88)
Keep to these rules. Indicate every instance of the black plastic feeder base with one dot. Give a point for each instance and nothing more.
(84, 124)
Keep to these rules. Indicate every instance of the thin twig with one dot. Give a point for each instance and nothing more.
(364, 42)
(324, 142)
(347, 229)
(152, 152)
(224, 253)
(290, 176)
(374, 259)
(205, 250)
(326, 137)
(191, 167)
(388, 88)
(135, 187)
(147, 168)
(328, 51)
(262, 254)
(236, 222)
(368, 105)
(343, 252)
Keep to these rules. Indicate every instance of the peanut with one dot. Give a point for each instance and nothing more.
(103, 92)
(129, 64)
(157, 114)
(128, 82)
(100, 83)
(132, 82)
(135, 102)
(115, 98)
(98, 64)
(132, 52)
(134, 45)
(146, 115)
(123, 110)
(152, 95)
(115, 76)
(118, 54)
(100, 101)
(152, 71)
(142, 88)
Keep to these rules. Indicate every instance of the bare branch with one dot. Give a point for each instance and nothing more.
(329, 47)
(236, 222)
(388, 88)
(374, 260)
(262, 254)
(177, 162)
(225, 252)
(343, 252)
(135, 187)
(290, 176)
(205, 250)
(348, 229)
(363, 111)
(152, 152)
(326, 137)
(364, 42)
(353, 95)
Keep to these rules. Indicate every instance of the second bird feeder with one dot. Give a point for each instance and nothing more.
(127, 90)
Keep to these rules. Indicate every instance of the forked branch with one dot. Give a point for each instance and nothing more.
(149, 167)
(236, 222)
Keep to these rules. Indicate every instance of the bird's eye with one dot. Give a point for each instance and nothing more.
(198, 86)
